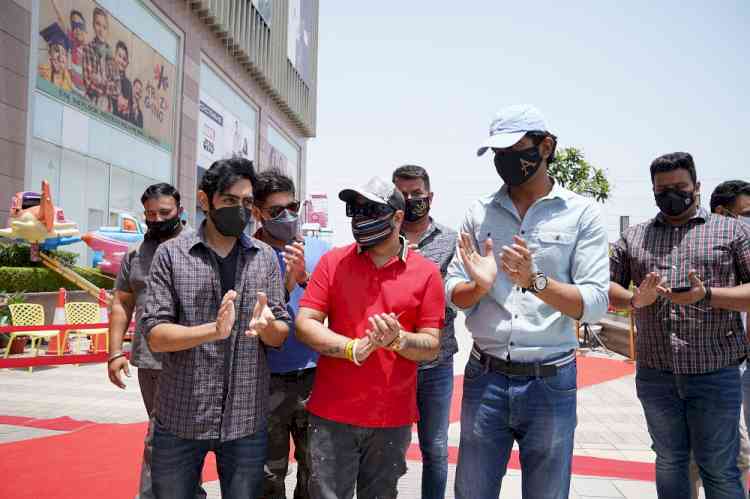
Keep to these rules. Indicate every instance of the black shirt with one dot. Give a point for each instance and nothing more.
(228, 269)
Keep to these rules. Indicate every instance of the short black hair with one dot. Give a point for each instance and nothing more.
(674, 161)
(121, 45)
(726, 193)
(156, 191)
(270, 182)
(412, 172)
(76, 13)
(98, 11)
(224, 173)
(537, 136)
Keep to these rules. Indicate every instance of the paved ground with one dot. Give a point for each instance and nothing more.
(611, 423)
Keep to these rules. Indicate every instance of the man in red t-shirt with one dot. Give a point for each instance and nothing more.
(385, 306)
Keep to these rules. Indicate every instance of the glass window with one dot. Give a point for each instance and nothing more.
(120, 191)
(47, 118)
(75, 132)
(101, 141)
(45, 165)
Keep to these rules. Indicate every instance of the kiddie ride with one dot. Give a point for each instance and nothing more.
(35, 220)
(110, 244)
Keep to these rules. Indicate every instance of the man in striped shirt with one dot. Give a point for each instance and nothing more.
(688, 267)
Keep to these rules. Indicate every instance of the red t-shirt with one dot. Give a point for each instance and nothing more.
(349, 289)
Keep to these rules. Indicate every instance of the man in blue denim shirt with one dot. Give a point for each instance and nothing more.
(292, 367)
(437, 243)
(551, 249)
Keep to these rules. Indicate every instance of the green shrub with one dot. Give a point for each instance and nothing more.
(40, 279)
(19, 255)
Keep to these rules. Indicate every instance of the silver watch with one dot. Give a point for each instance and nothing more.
(539, 282)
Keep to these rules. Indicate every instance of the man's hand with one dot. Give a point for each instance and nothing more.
(114, 368)
(294, 260)
(645, 294)
(226, 316)
(481, 269)
(384, 329)
(518, 262)
(696, 293)
(262, 317)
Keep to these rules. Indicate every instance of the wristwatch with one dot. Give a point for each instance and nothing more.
(539, 283)
(303, 284)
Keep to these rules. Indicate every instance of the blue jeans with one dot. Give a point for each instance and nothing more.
(538, 413)
(434, 392)
(697, 413)
(746, 396)
(176, 465)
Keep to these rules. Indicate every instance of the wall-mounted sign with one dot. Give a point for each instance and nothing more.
(90, 60)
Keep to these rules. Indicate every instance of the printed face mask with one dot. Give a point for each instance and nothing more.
(516, 167)
(371, 231)
(416, 209)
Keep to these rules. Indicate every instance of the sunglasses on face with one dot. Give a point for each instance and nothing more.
(275, 211)
(78, 25)
(367, 209)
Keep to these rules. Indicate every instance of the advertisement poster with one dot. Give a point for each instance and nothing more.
(91, 61)
(316, 209)
(221, 134)
(299, 37)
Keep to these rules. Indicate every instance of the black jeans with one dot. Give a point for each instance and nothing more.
(343, 456)
(289, 394)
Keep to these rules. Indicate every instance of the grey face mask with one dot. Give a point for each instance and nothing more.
(284, 228)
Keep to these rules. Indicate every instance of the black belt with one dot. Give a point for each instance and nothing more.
(510, 368)
(294, 375)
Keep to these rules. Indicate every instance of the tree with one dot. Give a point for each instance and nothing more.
(571, 170)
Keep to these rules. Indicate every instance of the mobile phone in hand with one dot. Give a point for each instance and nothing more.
(681, 289)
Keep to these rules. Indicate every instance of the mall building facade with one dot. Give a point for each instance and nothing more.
(105, 97)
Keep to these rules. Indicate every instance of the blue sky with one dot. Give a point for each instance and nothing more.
(419, 81)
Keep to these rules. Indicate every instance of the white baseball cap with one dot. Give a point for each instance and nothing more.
(511, 124)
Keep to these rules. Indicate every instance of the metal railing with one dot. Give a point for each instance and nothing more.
(262, 50)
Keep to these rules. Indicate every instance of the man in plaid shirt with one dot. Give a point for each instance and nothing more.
(98, 65)
(691, 269)
(215, 303)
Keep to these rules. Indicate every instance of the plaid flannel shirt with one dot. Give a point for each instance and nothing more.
(438, 244)
(686, 339)
(97, 68)
(218, 390)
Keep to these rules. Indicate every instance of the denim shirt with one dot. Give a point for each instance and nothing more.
(566, 235)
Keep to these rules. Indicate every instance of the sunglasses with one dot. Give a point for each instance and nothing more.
(76, 25)
(367, 209)
(275, 211)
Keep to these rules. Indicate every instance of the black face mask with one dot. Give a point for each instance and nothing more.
(230, 221)
(416, 209)
(371, 231)
(516, 167)
(674, 202)
(163, 229)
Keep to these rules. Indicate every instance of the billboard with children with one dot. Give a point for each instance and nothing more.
(90, 60)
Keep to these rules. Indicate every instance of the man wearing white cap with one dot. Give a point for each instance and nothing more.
(550, 247)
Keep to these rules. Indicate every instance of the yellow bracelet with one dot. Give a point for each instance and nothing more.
(354, 353)
(348, 350)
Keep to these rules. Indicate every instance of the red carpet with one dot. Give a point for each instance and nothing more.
(103, 460)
